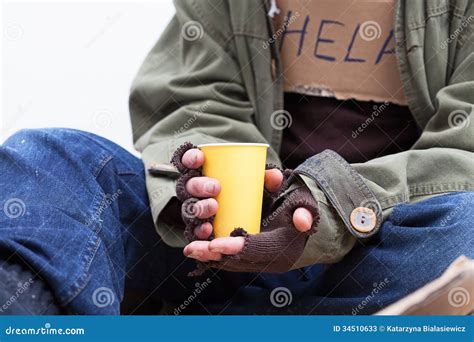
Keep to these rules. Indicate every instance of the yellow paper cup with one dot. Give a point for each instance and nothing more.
(240, 169)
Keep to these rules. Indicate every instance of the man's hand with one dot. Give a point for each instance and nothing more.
(205, 188)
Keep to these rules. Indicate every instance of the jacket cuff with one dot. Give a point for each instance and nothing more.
(161, 190)
(347, 192)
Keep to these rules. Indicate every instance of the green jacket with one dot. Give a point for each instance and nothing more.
(209, 79)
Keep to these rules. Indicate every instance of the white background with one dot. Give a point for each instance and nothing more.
(71, 64)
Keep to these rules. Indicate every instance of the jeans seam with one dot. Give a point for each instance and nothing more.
(82, 280)
(106, 157)
(103, 162)
(89, 252)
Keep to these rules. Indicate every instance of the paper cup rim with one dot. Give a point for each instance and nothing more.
(233, 144)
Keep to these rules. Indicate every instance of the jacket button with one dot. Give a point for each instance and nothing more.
(363, 219)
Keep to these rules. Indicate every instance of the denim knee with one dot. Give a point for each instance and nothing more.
(61, 182)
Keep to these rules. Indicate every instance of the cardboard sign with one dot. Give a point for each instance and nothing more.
(339, 48)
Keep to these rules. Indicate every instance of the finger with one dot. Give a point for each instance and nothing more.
(193, 158)
(227, 245)
(273, 180)
(204, 208)
(203, 231)
(203, 187)
(199, 250)
(302, 219)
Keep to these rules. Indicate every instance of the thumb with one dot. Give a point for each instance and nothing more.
(302, 219)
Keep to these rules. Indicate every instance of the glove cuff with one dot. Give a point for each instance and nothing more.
(181, 191)
(178, 155)
(189, 211)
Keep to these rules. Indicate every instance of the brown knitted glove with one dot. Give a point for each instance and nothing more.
(189, 211)
(279, 245)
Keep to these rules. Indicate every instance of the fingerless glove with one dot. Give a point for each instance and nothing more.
(279, 244)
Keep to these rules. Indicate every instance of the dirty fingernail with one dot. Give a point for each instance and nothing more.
(195, 255)
(209, 187)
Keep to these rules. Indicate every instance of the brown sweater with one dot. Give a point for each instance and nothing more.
(357, 130)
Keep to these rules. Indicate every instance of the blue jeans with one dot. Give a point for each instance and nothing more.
(75, 210)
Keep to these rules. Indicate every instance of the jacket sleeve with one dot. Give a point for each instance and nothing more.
(189, 88)
(442, 160)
